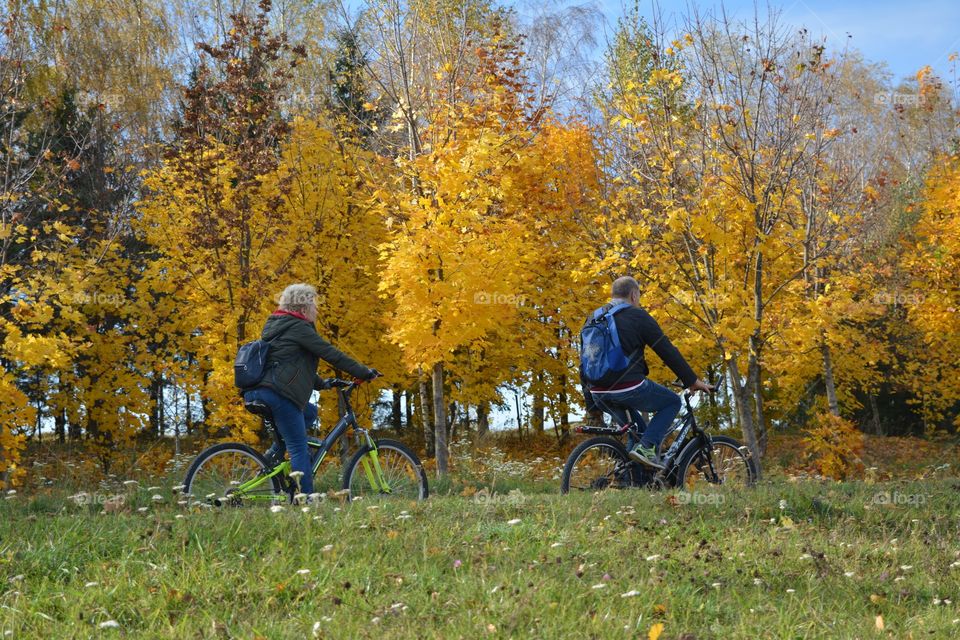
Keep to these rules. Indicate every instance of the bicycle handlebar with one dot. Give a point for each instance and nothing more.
(340, 383)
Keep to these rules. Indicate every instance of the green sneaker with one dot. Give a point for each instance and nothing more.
(646, 456)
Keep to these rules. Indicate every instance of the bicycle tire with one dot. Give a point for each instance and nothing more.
(258, 465)
(359, 486)
(615, 449)
(691, 457)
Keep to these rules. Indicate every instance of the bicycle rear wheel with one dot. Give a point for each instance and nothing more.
(728, 464)
(597, 464)
(402, 475)
(216, 473)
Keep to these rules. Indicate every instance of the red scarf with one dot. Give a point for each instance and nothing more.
(281, 312)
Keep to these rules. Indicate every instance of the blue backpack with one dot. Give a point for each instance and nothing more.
(600, 352)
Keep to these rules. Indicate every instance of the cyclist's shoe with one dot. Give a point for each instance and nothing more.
(647, 456)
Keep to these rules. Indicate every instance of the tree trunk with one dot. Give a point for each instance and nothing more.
(537, 419)
(204, 400)
(452, 419)
(564, 409)
(828, 377)
(440, 421)
(875, 414)
(188, 418)
(483, 419)
(408, 405)
(155, 404)
(516, 399)
(755, 388)
(428, 440)
(741, 396)
(397, 415)
(60, 420)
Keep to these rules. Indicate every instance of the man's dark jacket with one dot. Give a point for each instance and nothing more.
(295, 352)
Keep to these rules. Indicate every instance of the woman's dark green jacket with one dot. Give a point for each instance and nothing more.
(295, 350)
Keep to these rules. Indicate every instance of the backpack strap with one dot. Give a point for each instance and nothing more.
(610, 309)
(614, 334)
(620, 306)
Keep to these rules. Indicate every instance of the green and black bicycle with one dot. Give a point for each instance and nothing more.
(235, 474)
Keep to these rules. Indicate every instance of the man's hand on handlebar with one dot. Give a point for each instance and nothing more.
(700, 385)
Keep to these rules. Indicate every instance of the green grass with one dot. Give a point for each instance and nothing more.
(824, 563)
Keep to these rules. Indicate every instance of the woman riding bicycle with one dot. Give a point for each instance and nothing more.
(291, 374)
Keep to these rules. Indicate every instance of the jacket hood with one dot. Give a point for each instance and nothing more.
(277, 324)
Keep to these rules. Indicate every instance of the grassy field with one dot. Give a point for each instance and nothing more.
(785, 560)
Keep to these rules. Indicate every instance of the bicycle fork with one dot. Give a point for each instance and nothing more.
(372, 468)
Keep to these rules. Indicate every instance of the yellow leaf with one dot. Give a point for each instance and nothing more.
(879, 623)
(655, 631)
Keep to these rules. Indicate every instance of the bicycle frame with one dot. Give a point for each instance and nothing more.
(681, 444)
(372, 468)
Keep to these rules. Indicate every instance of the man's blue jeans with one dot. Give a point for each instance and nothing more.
(292, 425)
(649, 397)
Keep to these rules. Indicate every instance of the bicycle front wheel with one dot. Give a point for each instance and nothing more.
(390, 470)
(219, 474)
(727, 463)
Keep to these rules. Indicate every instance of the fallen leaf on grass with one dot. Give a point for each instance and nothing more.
(655, 631)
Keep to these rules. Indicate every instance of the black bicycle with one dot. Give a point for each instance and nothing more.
(694, 456)
(234, 474)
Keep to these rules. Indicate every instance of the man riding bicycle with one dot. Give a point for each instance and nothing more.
(622, 390)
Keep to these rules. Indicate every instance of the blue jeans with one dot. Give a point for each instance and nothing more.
(292, 425)
(649, 397)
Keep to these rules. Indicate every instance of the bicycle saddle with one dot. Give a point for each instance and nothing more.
(258, 408)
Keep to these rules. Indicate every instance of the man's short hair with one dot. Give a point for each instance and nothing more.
(623, 287)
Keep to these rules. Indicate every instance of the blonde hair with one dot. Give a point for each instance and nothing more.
(298, 298)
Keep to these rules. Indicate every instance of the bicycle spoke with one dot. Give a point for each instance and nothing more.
(726, 465)
(398, 475)
(598, 468)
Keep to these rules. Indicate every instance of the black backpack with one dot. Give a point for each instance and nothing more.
(251, 363)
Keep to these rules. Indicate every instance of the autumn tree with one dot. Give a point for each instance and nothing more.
(214, 205)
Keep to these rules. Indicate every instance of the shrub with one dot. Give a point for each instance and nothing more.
(834, 446)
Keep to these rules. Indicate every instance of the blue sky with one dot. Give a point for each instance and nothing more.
(905, 34)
